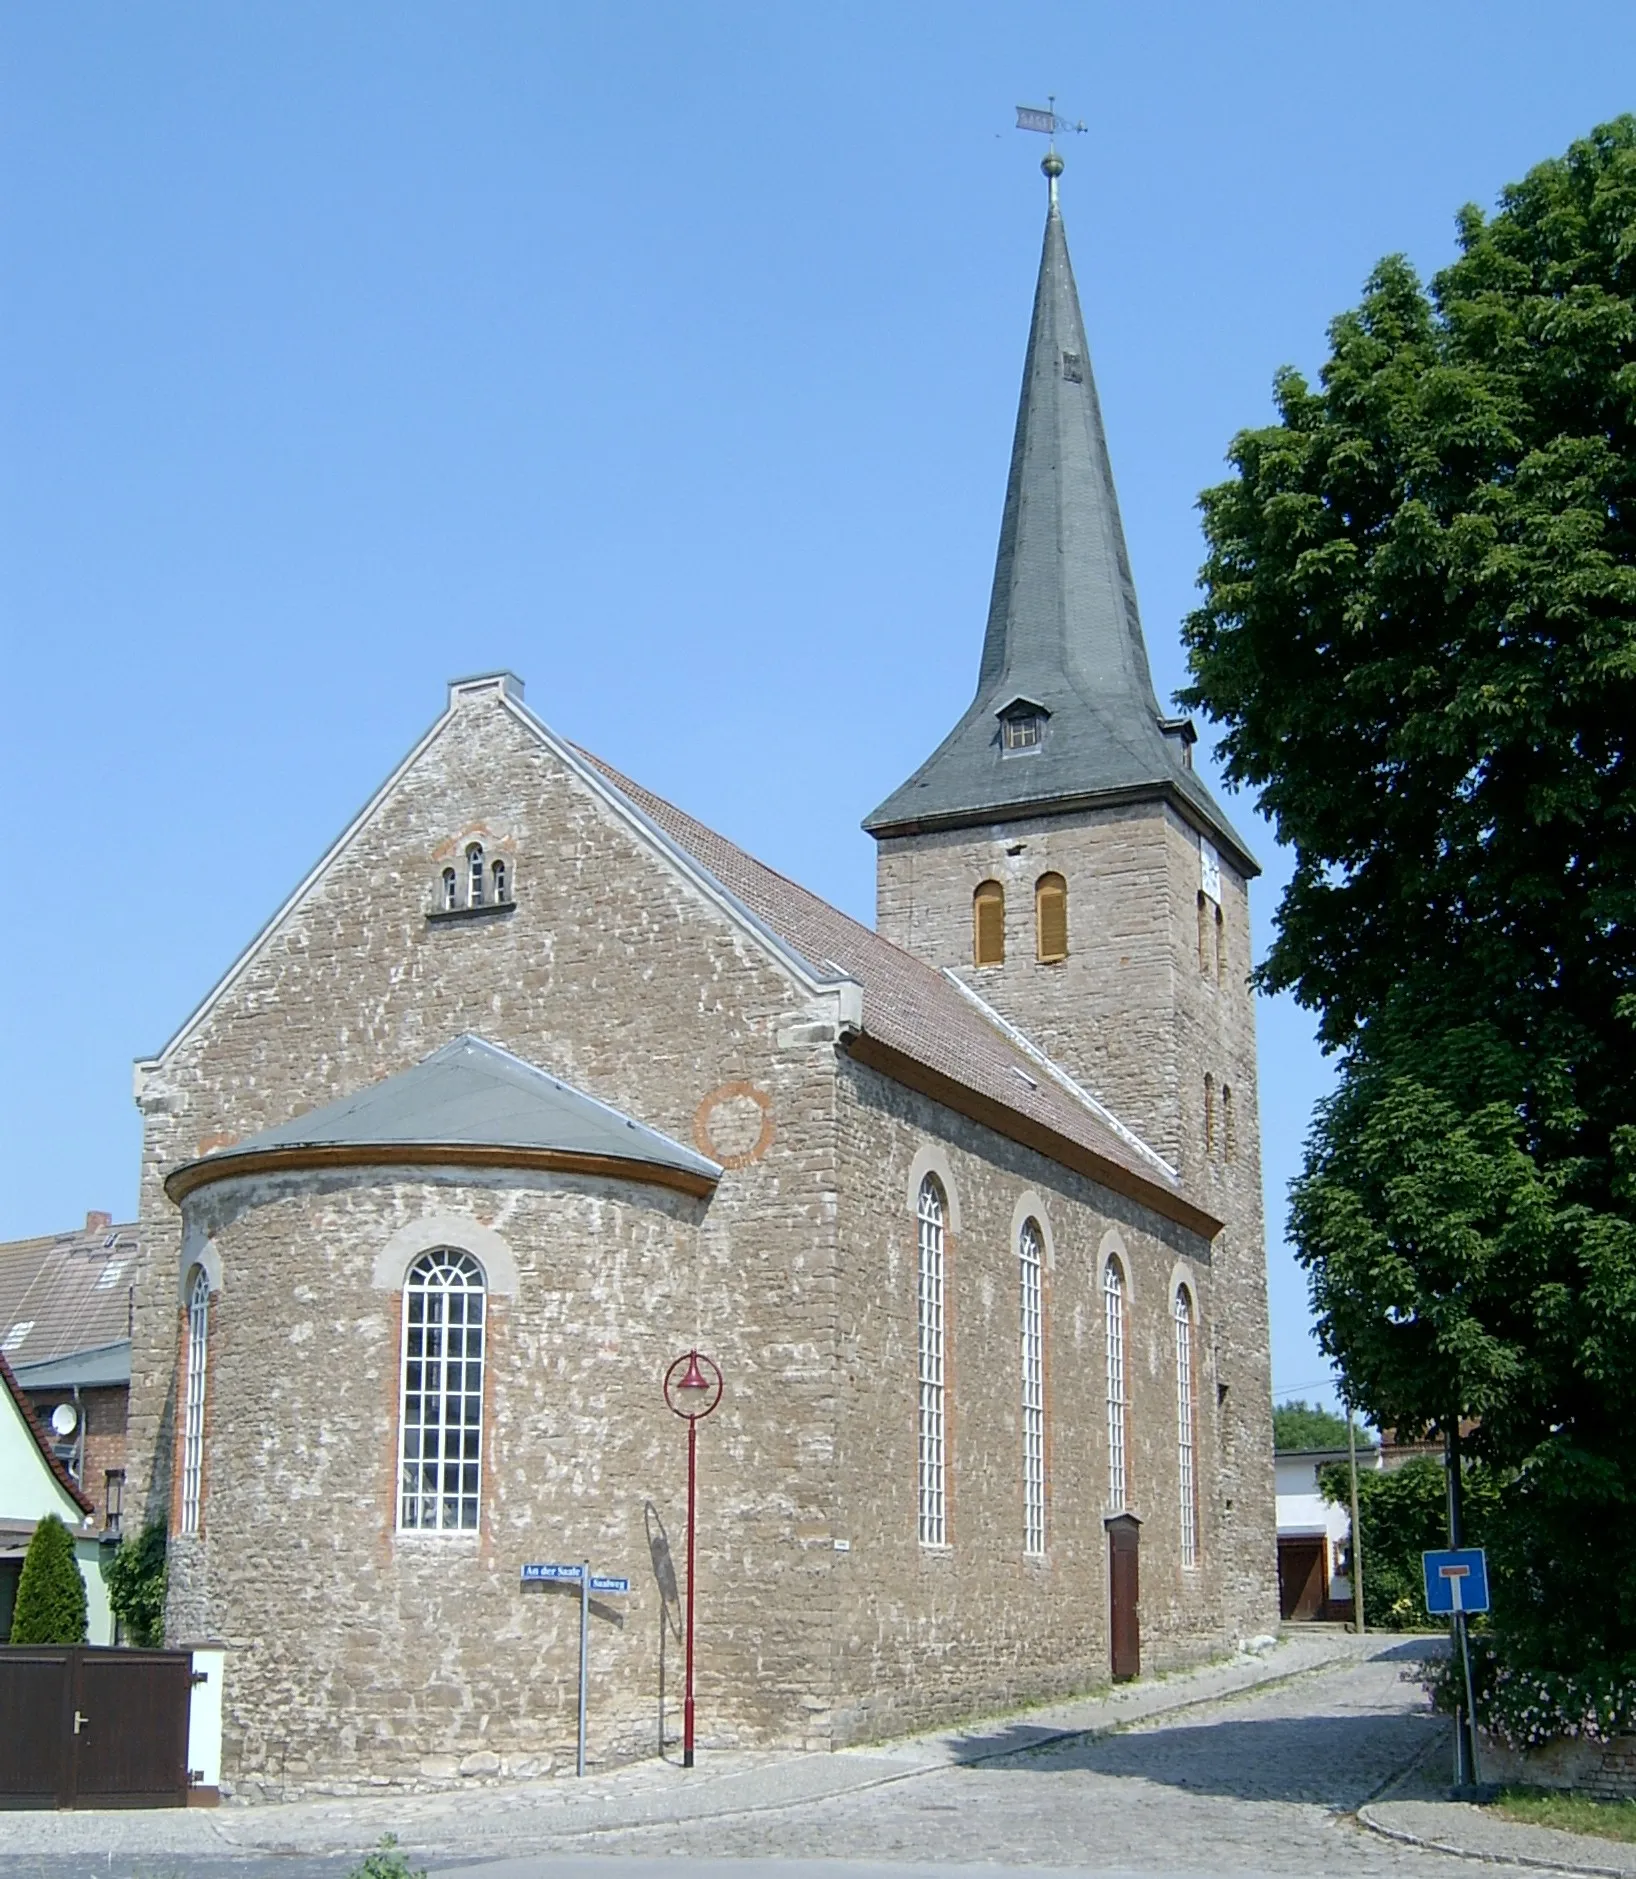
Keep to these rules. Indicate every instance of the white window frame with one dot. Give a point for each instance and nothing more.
(1187, 1477)
(474, 875)
(193, 1401)
(1031, 1313)
(1113, 1318)
(930, 1214)
(440, 1492)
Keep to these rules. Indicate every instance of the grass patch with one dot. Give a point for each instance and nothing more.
(1573, 1813)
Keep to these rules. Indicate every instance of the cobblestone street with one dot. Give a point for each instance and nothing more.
(1266, 1780)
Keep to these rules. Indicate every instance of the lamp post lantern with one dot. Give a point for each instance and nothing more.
(692, 1390)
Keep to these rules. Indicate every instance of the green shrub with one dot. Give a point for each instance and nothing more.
(1404, 1513)
(1527, 1707)
(386, 1862)
(50, 1606)
(136, 1586)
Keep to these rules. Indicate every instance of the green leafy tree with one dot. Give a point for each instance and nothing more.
(1297, 1425)
(136, 1586)
(50, 1606)
(1418, 633)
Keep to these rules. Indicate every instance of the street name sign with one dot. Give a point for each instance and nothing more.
(1456, 1580)
(553, 1574)
(607, 1582)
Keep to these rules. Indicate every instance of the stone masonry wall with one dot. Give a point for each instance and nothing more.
(615, 973)
(926, 1635)
(1135, 1017)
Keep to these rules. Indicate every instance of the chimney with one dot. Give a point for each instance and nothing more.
(98, 1223)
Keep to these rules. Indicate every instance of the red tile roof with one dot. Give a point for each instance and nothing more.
(916, 1016)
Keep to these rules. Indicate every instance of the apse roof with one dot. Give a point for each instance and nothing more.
(472, 1094)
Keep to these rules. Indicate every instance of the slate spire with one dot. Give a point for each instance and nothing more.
(1064, 642)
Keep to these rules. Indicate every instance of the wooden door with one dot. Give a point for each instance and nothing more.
(1124, 1596)
(1302, 1590)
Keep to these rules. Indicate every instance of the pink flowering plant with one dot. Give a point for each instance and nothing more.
(1526, 1707)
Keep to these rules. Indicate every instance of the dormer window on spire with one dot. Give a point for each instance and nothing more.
(1022, 725)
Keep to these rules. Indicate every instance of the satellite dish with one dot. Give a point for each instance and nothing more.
(65, 1419)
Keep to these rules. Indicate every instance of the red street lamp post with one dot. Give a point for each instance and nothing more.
(692, 1390)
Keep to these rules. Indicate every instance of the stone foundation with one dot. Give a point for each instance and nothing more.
(1606, 1771)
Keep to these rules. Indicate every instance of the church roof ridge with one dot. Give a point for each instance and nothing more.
(1064, 630)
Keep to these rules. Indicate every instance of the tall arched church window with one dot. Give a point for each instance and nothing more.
(474, 862)
(451, 890)
(988, 924)
(1113, 1319)
(193, 1401)
(1186, 1429)
(933, 1482)
(1051, 918)
(441, 1436)
(1030, 1262)
(1209, 1113)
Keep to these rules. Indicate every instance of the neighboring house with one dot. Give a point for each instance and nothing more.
(66, 1301)
(1313, 1537)
(33, 1484)
(535, 1082)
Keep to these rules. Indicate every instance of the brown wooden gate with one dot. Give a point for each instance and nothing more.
(1125, 1595)
(89, 1726)
(1303, 1586)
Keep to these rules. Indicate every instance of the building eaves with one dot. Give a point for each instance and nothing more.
(42, 1442)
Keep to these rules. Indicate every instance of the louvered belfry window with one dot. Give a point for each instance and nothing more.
(193, 1405)
(1186, 1429)
(1030, 1262)
(1051, 918)
(988, 924)
(440, 1465)
(933, 1498)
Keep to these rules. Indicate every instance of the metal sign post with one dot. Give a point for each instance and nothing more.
(588, 1582)
(1457, 1583)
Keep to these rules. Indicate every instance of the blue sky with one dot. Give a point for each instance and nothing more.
(666, 354)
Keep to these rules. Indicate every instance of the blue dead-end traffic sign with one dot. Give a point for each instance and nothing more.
(1456, 1580)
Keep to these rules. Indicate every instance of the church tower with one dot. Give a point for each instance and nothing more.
(1059, 853)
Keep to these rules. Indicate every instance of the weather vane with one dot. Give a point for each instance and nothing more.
(1029, 117)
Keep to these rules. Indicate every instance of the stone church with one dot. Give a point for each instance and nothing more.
(535, 1083)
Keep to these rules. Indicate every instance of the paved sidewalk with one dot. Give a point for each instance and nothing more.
(725, 1785)
(1415, 1810)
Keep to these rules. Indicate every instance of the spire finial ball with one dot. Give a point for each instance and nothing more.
(1052, 165)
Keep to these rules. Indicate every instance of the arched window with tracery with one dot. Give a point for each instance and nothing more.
(988, 924)
(1031, 1267)
(474, 864)
(441, 1439)
(1113, 1319)
(1051, 919)
(1186, 1428)
(933, 1459)
(196, 1375)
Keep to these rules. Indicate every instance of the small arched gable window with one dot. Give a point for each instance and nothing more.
(193, 1402)
(1221, 948)
(1051, 918)
(1186, 1428)
(933, 1497)
(441, 1436)
(474, 862)
(1229, 1127)
(988, 924)
(1113, 1309)
(1204, 936)
(451, 890)
(1209, 1113)
(1030, 1264)
(499, 874)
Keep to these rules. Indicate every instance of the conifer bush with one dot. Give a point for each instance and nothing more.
(50, 1605)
